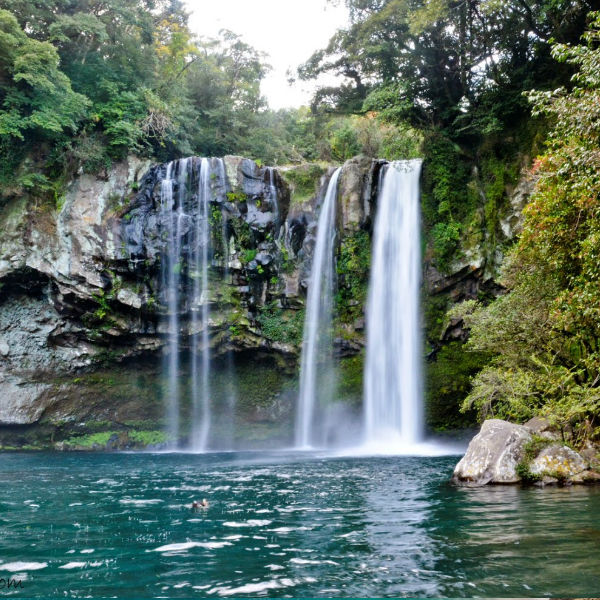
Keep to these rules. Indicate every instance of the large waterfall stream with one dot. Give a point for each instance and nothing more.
(201, 414)
(316, 363)
(393, 410)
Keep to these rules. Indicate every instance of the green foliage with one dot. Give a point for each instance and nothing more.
(36, 96)
(279, 325)
(523, 471)
(445, 238)
(303, 181)
(148, 438)
(287, 265)
(447, 382)
(92, 440)
(243, 235)
(544, 334)
(350, 379)
(434, 309)
(531, 449)
(85, 83)
(353, 275)
(248, 255)
(236, 197)
(344, 142)
(414, 61)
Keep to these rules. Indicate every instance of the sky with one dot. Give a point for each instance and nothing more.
(289, 31)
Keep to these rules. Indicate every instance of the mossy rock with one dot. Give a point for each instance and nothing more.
(303, 181)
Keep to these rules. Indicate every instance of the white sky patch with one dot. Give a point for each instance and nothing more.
(287, 30)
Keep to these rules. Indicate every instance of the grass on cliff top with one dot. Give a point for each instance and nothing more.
(303, 181)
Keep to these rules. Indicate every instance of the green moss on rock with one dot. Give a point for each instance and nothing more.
(303, 181)
(350, 379)
(447, 383)
(353, 264)
(280, 325)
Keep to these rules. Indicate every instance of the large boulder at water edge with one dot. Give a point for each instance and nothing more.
(493, 455)
(558, 461)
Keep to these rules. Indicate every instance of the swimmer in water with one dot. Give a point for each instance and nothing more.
(196, 506)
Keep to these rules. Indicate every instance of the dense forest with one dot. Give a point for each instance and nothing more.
(482, 89)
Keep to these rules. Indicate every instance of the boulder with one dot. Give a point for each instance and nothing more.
(546, 480)
(541, 427)
(592, 457)
(353, 179)
(558, 461)
(586, 477)
(493, 454)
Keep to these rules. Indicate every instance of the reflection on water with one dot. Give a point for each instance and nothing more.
(286, 525)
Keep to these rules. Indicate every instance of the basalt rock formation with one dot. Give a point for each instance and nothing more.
(82, 327)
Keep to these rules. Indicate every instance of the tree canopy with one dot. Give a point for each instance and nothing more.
(445, 62)
(84, 82)
(545, 332)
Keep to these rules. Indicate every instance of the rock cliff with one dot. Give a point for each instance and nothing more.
(82, 311)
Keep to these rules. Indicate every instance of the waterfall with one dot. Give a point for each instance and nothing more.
(186, 194)
(228, 432)
(274, 201)
(170, 283)
(317, 345)
(200, 354)
(393, 408)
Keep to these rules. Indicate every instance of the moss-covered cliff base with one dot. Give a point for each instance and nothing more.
(123, 406)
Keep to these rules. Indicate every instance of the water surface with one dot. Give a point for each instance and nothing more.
(286, 525)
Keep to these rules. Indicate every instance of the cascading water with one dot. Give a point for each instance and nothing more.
(273, 198)
(201, 413)
(316, 366)
(393, 410)
(186, 194)
(170, 283)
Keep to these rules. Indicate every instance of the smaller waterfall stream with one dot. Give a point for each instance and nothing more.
(273, 198)
(317, 345)
(171, 285)
(186, 193)
(393, 412)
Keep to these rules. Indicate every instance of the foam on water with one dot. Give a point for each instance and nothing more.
(249, 523)
(138, 502)
(184, 546)
(393, 445)
(73, 565)
(15, 567)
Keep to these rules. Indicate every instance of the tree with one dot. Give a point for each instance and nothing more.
(442, 60)
(545, 332)
(36, 97)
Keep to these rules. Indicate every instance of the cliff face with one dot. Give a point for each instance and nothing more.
(82, 310)
(83, 314)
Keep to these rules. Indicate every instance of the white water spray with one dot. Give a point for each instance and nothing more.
(317, 345)
(393, 412)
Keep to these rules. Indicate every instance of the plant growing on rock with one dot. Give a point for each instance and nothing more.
(544, 334)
